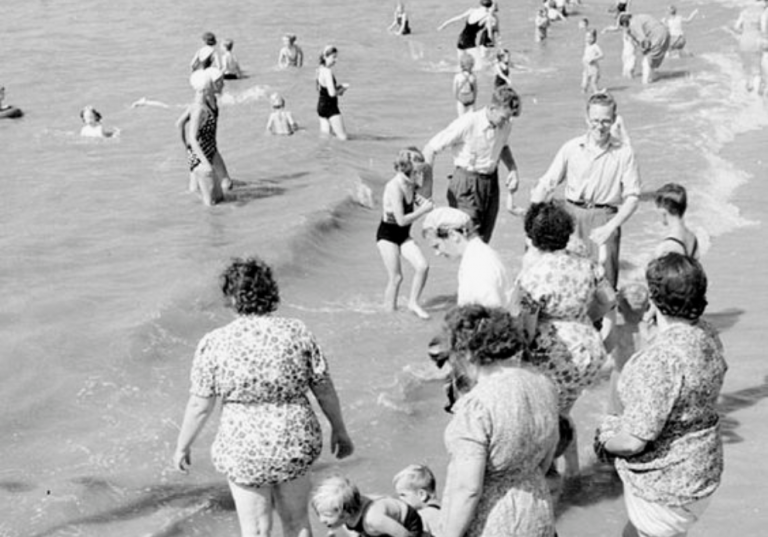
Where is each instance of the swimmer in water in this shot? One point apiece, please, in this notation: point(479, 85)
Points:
point(92, 127)
point(280, 120)
point(291, 54)
point(229, 65)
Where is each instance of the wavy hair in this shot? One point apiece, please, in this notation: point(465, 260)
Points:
point(678, 286)
point(548, 225)
point(487, 334)
point(250, 285)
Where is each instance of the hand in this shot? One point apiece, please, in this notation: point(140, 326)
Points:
point(601, 234)
point(341, 444)
point(513, 182)
point(182, 460)
point(512, 208)
point(427, 205)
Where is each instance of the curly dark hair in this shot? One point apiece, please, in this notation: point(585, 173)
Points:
point(487, 334)
point(250, 285)
point(678, 286)
point(548, 225)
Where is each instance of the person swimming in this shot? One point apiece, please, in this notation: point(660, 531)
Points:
point(92, 127)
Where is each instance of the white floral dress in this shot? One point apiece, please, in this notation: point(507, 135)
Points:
point(261, 367)
point(560, 286)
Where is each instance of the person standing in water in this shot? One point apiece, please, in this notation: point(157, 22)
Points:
point(328, 98)
point(752, 27)
point(291, 54)
point(475, 19)
point(674, 24)
point(652, 37)
point(400, 24)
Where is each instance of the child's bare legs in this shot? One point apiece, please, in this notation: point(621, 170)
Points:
point(221, 170)
point(412, 253)
point(390, 254)
point(337, 124)
point(254, 509)
point(291, 500)
point(648, 74)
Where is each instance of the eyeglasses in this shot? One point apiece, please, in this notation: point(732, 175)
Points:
point(601, 122)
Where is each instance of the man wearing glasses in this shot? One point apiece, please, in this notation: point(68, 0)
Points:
point(479, 140)
point(602, 183)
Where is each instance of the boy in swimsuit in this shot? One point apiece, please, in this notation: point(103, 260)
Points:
point(672, 202)
point(591, 68)
point(229, 64)
point(415, 485)
point(338, 502)
point(280, 120)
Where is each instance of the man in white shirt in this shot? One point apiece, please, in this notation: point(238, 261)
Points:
point(479, 140)
point(602, 183)
point(482, 277)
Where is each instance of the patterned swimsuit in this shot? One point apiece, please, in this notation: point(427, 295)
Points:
point(206, 137)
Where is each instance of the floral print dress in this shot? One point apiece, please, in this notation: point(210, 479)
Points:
point(261, 367)
point(558, 287)
point(669, 392)
point(510, 420)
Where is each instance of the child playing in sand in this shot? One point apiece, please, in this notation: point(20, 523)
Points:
point(229, 65)
point(465, 85)
point(92, 127)
point(592, 54)
point(415, 485)
point(541, 23)
point(400, 24)
point(674, 24)
point(280, 120)
point(672, 201)
point(338, 502)
point(291, 54)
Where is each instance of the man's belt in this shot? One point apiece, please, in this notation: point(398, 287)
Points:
point(590, 205)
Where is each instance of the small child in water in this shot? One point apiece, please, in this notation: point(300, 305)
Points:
point(415, 485)
point(280, 120)
point(465, 85)
point(291, 54)
point(541, 22)
point(229, 64)
point(400, 24)
point(92, 127)
point(592, 54)
point(338, 502)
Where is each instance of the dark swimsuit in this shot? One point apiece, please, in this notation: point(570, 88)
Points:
point(406, 27)
point(411, 522)
point(389, 230)
point(468, 36)
point(327, 106)
point(681, 243)
point(206, 136)
point(498, 81)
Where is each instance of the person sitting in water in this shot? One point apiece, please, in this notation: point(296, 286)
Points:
point(280, 120)
point(338, 502)
point(92, 127)
point(400, 25)
point(7, 111)
point(291, 54)
point(229, 64)
point(672, 201)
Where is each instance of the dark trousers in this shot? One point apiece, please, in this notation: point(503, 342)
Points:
point(477, 194)
point(585, 220)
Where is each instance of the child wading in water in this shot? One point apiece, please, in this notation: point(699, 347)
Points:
point(338, 502)
point(592, 54)
point(541, 22)
point(280, 120)
point(415, 485)
point(229, 65)
point(401, 207)
point(400, 24)
point(465, 85)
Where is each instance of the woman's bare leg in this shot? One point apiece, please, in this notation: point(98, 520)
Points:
point(337, 123)
point(221, 170)
point(390, 254)
point(412, 253)
point(325, 127)
point(291, 503)
point(254, 509)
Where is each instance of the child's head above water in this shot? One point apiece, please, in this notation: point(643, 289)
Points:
point(584, 24)
point(415, 485)
point(591, 36)
point(672, 198)
point(672, 10)
point(277, 101)
point(228, 44)
point(466, 62)
point(335, 500)
point(289, 39)
point(90, 115)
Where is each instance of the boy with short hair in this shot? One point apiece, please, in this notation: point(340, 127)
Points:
point(592, 54)
point(229, 64)
point(280, 120)
point(415, 485)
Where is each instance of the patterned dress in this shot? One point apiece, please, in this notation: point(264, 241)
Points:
point(669, 392)
point(560, 286)
point(261, 367)
point(510, 420)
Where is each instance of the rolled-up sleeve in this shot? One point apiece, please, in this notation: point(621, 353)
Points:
point(552, 177)
point(450, 136)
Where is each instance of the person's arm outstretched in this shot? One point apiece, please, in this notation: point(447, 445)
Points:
point(457, 18)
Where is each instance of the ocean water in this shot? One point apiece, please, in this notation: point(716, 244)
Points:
point(109, 267)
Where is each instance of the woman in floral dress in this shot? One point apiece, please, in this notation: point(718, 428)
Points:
point(503, 434)
point(261, 367)
point(555, 291)
point(667, 438)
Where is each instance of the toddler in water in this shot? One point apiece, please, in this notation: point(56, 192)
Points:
point(280, 120)
point(229, 65)
point(592, 54)
point(338, 502)
point(92, 127)
point(465, 85)
point(415, 485)
point(291, 54)
point(541, 22)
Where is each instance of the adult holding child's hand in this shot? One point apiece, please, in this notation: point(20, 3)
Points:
point(261, 368)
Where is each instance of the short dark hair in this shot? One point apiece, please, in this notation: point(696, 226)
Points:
point(624, 19)
point(602, 98)
point(673, 198)
point(548, 225)
point(209, 39)
point(487, 334)
point(506, 97)
point(677, 285)
point(250, 285)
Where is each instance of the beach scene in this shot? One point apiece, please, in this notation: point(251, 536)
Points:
point(110, 266)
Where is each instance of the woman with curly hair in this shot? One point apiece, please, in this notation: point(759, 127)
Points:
point(261, 367)
point(554, 293)
point(503, 434)
point(666, 440)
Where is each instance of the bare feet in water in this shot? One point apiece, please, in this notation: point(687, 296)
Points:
point(415, 308)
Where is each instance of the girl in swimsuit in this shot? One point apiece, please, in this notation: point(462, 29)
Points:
point(329, 91)
point(476, 20)
point(672, 201)
point(208, 173)
point(291, 54)
point(401, 208)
